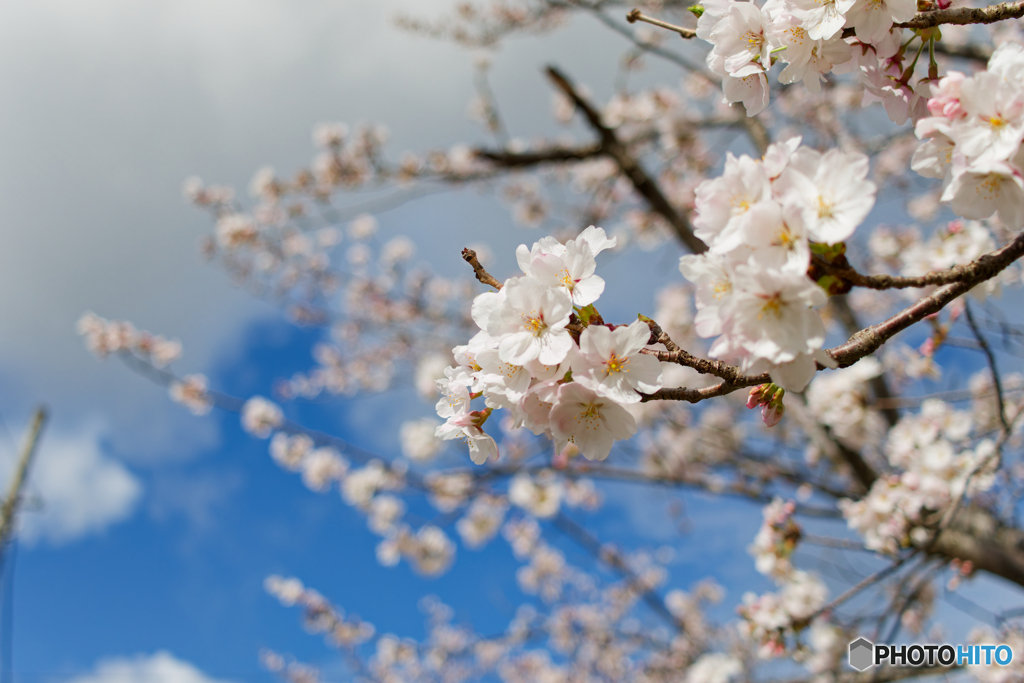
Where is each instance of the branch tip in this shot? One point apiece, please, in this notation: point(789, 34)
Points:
point(469, 256)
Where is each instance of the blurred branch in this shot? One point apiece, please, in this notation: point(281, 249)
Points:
point(552, 155)
point(969, 51)
point(9, 510)
point(996, 381)
point(630, 167)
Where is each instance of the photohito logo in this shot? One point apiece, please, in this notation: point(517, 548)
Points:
point(864, 654)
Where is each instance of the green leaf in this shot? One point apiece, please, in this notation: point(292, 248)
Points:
point(587, 313)
point(828, 251)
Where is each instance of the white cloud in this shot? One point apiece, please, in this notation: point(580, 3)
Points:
point(160, 667)
point(82, 490)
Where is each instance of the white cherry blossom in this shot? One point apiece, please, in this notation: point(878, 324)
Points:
point(260, 417)
point(610, 362)
point(466, 426)
point(822, 18)
point(832, 190)
point(531, 323)
point(591, 421)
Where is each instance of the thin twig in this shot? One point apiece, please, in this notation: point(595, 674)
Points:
point(625, 32)
point(865, 583)
point(614, 560)
point(636, 15)
point(630, 166)
point(991, 364)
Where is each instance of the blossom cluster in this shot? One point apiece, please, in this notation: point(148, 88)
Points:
point(320, 615)
point(937, 468)
point(972, 140)
point(556, 377)
point(760, 220)
point(807, 36)
point(776, 539)
point(769, 618)
point(839, 400)
point(104, 337)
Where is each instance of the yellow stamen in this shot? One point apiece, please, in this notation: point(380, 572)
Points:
point(824, 207)
point(772, 306)
point(616, 364)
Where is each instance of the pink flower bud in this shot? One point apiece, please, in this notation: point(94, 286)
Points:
point(758, 396)
point(772, 413)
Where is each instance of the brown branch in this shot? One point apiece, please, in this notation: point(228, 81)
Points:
point(967, 15)
point(844, 271)
point(972, 51)
point(698, 395)
point(980, 538)
point(860, 344)
point(563, 153)
point(636, 15)
point(630, 167)
point(730, 373)
point(869, 339)
point(469, 256)
point(535, 158)
point(675, 354)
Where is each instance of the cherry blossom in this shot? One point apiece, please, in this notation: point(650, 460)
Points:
point(531, 322)
point(590, 420)
point(610, 362)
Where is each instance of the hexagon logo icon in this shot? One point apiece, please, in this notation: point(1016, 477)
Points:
point(862, 654)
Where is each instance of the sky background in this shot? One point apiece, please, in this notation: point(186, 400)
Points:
point(149, 532)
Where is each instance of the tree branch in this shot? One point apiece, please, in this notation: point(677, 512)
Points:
point(967, 15)
point(860, 344)
point(469, 256)
point(869, 339)
point(996, 381)
point(844, 271)
point(636, 15)
point(630, 167)
point(534, 158)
